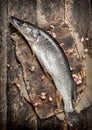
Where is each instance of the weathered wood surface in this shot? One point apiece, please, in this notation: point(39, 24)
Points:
point(20, 113)
point(26, 59)
point(79, 19)
point(3, 62)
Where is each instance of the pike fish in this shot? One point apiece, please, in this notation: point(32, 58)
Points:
point(54, 61)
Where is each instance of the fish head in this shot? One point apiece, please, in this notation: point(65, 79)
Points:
point(28, 30)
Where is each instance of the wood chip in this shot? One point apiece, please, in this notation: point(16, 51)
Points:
point(32, 68)
point(42, 77)
point(82, 39)
point(79, 82)
point(43, 93)
point(36, 104)
point(86, 50)
point(52, 27)
point(62, 44)
point(18, 85)
point(50, 98)
point(43, 97)
point(84, 56)
point(87, 38)
point(8, 66)
point(54, 34)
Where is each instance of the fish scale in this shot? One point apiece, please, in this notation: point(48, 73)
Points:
point(54, 61)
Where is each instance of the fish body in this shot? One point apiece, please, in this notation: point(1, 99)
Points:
point(53, 60)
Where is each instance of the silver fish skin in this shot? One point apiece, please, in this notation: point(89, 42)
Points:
point(53, 60)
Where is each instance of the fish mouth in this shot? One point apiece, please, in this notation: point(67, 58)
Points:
point(16, 22)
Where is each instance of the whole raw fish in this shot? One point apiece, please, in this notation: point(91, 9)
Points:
point(54, 61)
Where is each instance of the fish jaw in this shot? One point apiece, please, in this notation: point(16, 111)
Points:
point(17, 23)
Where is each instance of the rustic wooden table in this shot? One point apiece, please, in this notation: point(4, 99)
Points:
point(68, 21)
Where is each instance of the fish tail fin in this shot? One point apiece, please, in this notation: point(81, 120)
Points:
point(72, 118)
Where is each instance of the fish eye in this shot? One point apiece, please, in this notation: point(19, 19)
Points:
point(39, 34)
